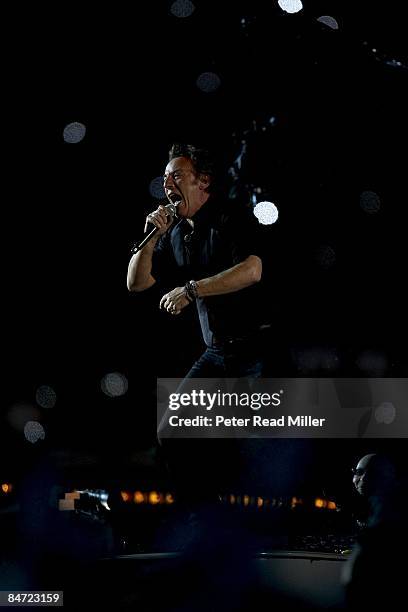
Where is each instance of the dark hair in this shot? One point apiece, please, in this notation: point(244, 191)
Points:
point(202, 160)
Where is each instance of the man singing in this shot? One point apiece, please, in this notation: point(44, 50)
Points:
point(210, 254)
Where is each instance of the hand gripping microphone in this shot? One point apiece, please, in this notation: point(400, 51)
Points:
point(171, 210)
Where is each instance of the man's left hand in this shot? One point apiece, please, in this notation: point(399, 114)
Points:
point(174, 301)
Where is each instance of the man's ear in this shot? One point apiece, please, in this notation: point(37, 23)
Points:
point(204, 181)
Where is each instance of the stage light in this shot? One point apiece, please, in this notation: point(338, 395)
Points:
point(169, 499)
point(266, 213)
point(6, 487)
point(182, 8)
point(34, 431)
point(296, 501)
point(329, 21)
point(114, 384)
point(154, 498)
point(156, 188)
point(45, 396)
point(385, 413)
point(372, 362)
point(138, 497)
point(370, 202)
point(290, 6)
point(74, 132)
point(208, 82)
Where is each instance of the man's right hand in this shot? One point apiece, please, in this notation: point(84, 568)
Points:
point(161, 218)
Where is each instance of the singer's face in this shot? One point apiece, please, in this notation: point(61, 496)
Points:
point(182, 185)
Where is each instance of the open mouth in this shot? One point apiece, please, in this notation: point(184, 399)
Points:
point(175, 198)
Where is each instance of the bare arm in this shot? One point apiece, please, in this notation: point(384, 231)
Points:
point(139, 275)
point(244, 274)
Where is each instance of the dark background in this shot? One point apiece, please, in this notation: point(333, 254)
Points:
point(334, 273)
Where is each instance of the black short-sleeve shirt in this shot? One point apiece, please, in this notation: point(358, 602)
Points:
point(224, 235)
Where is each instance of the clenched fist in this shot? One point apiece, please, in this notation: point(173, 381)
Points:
point(174, 301)
point(161, 218)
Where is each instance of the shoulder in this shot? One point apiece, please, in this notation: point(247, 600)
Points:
point(235, 212)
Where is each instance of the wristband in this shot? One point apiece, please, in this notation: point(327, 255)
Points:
point(191, 289)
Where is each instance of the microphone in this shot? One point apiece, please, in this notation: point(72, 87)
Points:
point(171, 210)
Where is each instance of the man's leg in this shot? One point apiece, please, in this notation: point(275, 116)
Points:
point(200, 466)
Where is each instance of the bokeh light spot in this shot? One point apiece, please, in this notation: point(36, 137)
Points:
point(45, 396)
point(34, 431)
point(74, 132)
point(208, 82)
point(114, 384)
point(182, 8)
point(266, 213)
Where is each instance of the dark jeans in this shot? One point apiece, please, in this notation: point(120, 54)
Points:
point(235, 362)
point(202, 468)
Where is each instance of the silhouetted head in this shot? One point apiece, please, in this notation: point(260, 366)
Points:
point(374, 475)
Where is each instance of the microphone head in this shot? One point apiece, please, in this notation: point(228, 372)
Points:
point(168, 205)
point(172, 208)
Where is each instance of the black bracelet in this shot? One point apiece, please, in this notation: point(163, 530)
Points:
point(191, 289)
point(187, 294)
